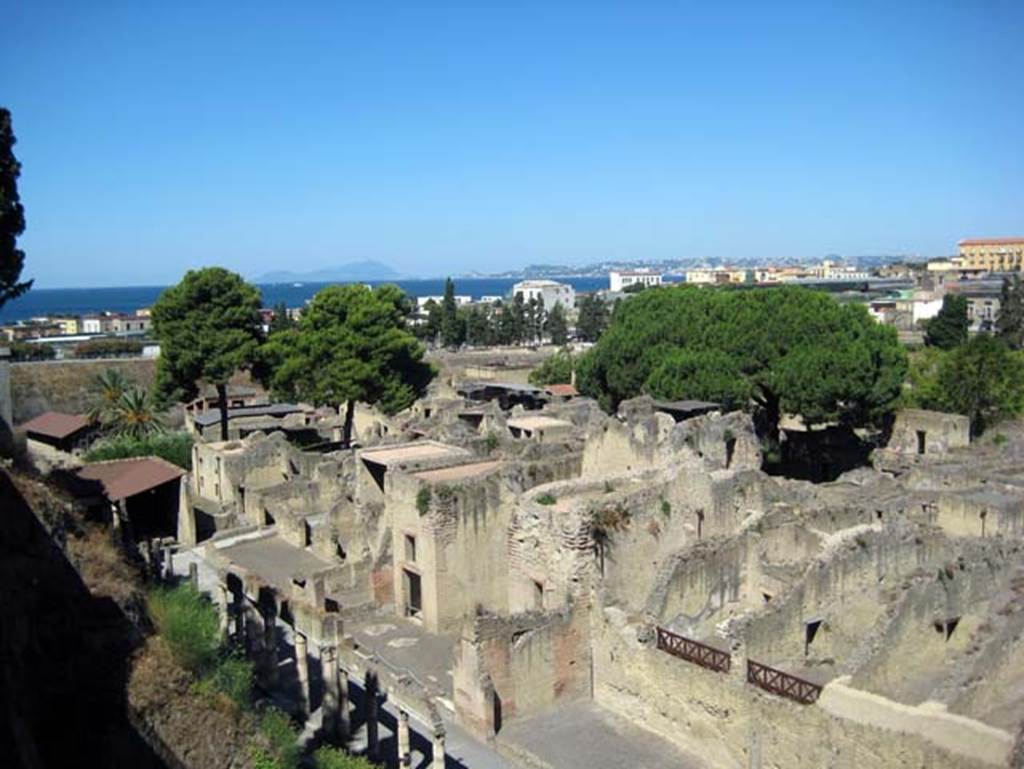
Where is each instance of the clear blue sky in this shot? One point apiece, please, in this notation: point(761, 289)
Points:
point(158, 136)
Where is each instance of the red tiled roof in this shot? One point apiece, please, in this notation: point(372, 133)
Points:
point(562, 390)
point(991, 241)
point(122, 478)
point(55, 425)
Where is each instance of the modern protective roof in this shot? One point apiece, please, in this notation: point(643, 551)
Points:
point(212, 417)
point(54, 424)
point(123, 478)
point(410, 452)
point(538, 423)
point(458, 472)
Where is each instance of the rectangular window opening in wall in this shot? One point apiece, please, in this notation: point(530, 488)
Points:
point(922, 441)
point(538, 595)
point(413, 594)
point(410, 548)
point(307, 534)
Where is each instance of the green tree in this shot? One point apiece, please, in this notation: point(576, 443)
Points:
point(948, 329)
point(556, 369)
point(512, 328)
point(1010, 321)
point(534, 317)
point(352, 344)
point(555, 326)
point(479, 326)
point(281, 320)
point(453, 332)
point(12, 216)
point(25, 351)
point(982, 379)
point(429, 328)
point(701, 375)
point(796, 351)
point(593, 318)
point(209, 328)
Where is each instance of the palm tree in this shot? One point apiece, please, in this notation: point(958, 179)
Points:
point(107, 390)
point(134, 415)
point(604, 523)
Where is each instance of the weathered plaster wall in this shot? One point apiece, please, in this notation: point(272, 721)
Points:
point(729, 724)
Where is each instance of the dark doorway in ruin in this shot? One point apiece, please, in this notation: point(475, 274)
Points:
point(730, 451)
point(538, 595)
point(700, 524)
point(496, 708)
point(810, 632)
point(307, 534)
point(922, 441)
point(413, 593)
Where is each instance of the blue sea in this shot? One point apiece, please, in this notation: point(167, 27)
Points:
point(83, 301)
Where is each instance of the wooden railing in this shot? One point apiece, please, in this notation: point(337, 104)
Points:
point(783, 684)
point(693, 651)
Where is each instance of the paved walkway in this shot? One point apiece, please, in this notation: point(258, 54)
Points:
point(583, 735)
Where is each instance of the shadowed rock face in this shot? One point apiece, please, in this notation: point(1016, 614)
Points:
point(63, 656)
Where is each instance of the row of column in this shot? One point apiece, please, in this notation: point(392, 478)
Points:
point(261, 641)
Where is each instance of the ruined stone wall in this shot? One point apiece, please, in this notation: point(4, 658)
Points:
point(726, 723)
point(980, 512)
point(514, 667)
point(914, 647)
point(461, 546)
point(940, 432)
point(847, 589)
point(619, 448)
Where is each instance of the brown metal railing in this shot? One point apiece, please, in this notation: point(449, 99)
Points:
point(783, 684)
point(693, 651)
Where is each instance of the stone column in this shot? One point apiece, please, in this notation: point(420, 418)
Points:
point(168, 564)
point(302, 671)
point(329, 709)
point(225, 610)
point(404, 754)
point(253, 631)
point(269, 614)
point(371, 716)
point(437, 760)
point(343, 720)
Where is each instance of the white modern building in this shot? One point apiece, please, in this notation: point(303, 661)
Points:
point(550, 291)
point(620, 280)
point(460, 299)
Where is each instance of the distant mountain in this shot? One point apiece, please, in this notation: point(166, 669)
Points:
point(343, 272)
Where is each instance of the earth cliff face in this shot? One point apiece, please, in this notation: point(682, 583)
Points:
point(80, 683)
point(63, 651)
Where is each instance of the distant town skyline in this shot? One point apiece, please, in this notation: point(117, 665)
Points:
point(445, 140)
